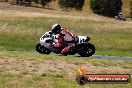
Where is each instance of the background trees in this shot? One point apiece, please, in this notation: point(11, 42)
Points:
point(76, 4)
point(103, 7)
point(106, 7)
point(131, 8)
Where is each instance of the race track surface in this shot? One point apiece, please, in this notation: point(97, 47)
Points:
point(93, 57)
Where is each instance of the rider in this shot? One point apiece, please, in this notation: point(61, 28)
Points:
point(64, 36)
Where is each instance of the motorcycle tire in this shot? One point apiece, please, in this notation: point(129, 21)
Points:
point(42, 49)
point(64, 54)
point(86, 49)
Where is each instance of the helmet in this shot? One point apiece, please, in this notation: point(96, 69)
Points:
point(56, 28)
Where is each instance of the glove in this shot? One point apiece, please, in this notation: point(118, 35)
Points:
point(50, 33)
point(57, 45)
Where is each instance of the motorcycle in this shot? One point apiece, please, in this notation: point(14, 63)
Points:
point(83, 47)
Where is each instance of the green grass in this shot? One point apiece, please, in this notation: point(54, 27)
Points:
point(70, 59)
point(52, 80)
point(23, 33)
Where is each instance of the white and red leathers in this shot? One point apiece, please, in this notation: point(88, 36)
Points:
point(66, 37)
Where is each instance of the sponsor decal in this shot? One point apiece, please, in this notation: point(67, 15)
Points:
point(83, 78)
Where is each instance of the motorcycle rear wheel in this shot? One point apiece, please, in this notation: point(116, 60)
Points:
point(86, 49)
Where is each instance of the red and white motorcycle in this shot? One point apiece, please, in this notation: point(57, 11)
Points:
point(82, 47)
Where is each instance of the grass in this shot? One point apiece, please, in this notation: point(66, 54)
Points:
point(23, 33)
point(35, 81)
point(73, 60)
point(86, 7)
point(27, 70)
point(53, 80)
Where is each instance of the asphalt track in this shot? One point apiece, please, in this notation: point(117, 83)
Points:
point(93, 57)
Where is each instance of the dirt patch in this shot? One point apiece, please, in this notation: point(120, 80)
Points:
point(53, 67)
point(16, 10)
point(22, 11)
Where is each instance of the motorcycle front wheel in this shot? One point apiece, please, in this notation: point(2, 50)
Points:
point(86, 49)
point(41, 49)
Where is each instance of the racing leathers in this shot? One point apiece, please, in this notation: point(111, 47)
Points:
point(65, 37)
